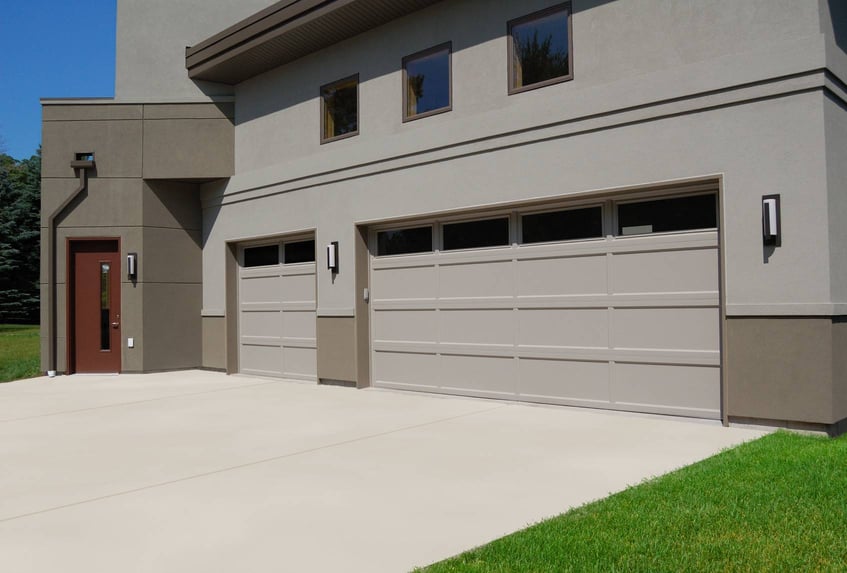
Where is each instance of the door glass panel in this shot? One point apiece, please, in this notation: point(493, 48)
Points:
point(299, 252)
point(476, 234)
point(261, 256)
point(666, 215)
point(567, 225)
point(404, 241)
point(105, 304)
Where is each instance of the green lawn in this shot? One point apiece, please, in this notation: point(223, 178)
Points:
point(19, 352)
point(775, 504)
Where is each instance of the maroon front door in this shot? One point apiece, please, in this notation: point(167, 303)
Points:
point(96, 307)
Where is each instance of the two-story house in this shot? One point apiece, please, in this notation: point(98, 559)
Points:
point(624, 204)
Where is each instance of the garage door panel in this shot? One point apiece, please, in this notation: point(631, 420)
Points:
point(477, 326)
point(477, 280)
point(479, 375)
point(688, 390)
point(277, 320)
point(263, 360)
point(259, 289)
point(564, 327)
point(562, 276)
point(667, 328)
point(565, 380)
point(298, 288)
point(405, 369)
point(621, 322)
point(299, 324)
point(406, 325)
point(261, 324)
point(665, 271)
point(299, 363)
point(405, 283)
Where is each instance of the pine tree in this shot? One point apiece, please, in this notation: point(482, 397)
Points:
point(20, 200)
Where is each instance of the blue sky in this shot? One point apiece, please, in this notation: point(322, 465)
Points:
point(51, 48)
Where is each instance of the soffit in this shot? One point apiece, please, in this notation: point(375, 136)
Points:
point(285, 32)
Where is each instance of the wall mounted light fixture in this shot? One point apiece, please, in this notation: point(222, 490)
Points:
point(132, 265)
point(332, 256)
point(771, 221)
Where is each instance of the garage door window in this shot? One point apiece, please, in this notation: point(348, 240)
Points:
point(476, 234)
point(404, 241)
point(667, 215)
point(299, 252)
point(569, 225)
point(261, 256)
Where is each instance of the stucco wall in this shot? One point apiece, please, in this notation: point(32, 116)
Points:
point(661, 91)
point(768, 146)
point(151, 40)
point(159, 220)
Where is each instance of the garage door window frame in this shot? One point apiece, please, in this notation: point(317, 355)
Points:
point(648, 197)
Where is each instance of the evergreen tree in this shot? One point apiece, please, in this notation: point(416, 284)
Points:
point(20, 202)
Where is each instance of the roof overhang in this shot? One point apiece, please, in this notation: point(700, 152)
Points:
point(286, 31)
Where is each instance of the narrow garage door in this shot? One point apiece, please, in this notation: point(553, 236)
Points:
point(276, 290)
point(614, 305)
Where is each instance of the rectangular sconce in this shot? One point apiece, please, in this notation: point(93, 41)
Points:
point(132, 265)
point(771, 221)
point(332, 256)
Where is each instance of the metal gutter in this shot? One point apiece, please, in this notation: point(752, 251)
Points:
point(287, 31)
point(81, 166)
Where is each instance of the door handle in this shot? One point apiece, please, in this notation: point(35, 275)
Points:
point(116, 324)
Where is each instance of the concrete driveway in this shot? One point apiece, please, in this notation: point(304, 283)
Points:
point(198, 471)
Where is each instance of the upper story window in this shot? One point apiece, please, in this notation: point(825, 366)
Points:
point(540, 49)
point(340, 109)
point(426, 82)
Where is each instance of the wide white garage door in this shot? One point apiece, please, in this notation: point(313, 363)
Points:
point(276, 290)
point(614, 305)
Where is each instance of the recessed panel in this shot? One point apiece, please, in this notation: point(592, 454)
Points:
point(477, 280)
point(409, 369)
point(265, 360)
point(667, 328)
point(477, 326)
point(562, 276)
point(695, 389)
point(261, 289)
point(298, 288)
point(300, 362)
point(406, 325)
point(564, 380)
point(475, 374)
point(665, 271)
point(564, 327)
point(261, 324)
point(405, 283)
point(299, 324)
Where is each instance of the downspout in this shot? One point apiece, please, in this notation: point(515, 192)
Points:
point(82, 163)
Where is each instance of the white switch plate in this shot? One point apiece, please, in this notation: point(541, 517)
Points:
point(130, 343)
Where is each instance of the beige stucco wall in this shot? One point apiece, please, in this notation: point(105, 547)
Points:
point(731, 89)
point(151, 40)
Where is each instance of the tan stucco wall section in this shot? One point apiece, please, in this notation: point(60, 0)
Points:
point(188, 141)
point(839, 368)
point(781, 368)
point(156, 218)
point(336, 339)
point(214, 342)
